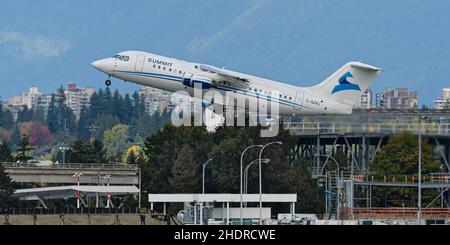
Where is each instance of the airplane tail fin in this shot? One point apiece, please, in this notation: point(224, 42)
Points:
point(348, 83)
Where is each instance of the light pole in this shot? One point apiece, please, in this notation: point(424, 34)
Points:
point(419, 191)
point(203, 178)
point(246, 173)
point(242, 159)
point(260, 177)
point(64, 149)
point(78, 176)
point(108, 194)
point(140, 187)
point(337, 179)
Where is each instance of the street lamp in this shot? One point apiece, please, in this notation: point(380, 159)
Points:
point(246, 173)
point(108, 194)
point(203, 179)
point(419, 198)
point(64, 149)
point(78, 176)
point(242, 159)
point(260, 177)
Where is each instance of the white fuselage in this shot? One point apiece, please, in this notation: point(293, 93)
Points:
point(168, 74)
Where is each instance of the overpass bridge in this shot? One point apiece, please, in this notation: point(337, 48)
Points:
point(93, 174)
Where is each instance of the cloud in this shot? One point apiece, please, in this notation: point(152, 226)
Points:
point(200, 44)
point(34, 46)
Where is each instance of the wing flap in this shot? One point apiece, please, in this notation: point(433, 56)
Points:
point(227, 75)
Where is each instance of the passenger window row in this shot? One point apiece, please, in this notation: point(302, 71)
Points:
point(270, 93)
point(170, 69)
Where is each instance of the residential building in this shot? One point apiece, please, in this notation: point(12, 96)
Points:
point(398, 98)
point(155, 100)
point(366, 100)
point(31, 99)
point(444, 101)
point(77, 98)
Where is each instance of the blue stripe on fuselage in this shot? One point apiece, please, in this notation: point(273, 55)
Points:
point(222, 87)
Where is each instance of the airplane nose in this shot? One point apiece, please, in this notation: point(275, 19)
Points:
point(101, 65)
point(97, 65)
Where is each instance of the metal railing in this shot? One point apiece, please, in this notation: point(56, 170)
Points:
point(66, 211)
point(73, 166)
point(373, 128)
point(383, 213)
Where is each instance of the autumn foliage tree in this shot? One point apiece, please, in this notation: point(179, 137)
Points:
point(38, 133)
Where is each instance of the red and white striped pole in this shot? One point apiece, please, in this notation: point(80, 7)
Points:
point(78, 176)
point(108, 194)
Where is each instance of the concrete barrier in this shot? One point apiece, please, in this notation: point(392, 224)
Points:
point(80, 219)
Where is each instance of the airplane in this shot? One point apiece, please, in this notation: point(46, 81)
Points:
point(336, 95)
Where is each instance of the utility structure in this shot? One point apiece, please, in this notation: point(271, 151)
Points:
point(358, 138)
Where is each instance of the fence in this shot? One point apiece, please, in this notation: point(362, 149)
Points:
point(372, 128)
point(65, 211)
point(74, 166)
point(400, 213)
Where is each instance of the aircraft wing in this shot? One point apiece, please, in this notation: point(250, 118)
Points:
point(226, 75)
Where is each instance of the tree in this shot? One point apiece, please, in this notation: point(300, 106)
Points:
point(15, 137)
point(87, 151)
point(60, 117)
point(116, 141)
point(5, 152)
point(310, 195)
point(38, 133)
point(96, 152)
point(185, 178)
point(6, 189)
point(85, 126)
point(78, 152)
point(225, 171)
point(159, 154)
point(134, 155)
point(6, 118)
point(399, 158)
point(104, 122)
point(25, 148)
point(25, 115)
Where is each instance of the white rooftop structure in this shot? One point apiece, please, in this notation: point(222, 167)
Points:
point(230, 198)
point(201, 200)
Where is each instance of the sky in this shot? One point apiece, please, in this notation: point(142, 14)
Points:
point(48, 43)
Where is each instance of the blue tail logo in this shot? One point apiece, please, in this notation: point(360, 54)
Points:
point(344, 84)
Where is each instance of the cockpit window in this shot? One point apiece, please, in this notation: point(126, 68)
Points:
point(121, 57)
